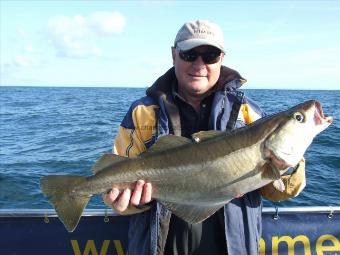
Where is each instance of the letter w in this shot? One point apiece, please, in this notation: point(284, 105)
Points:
point(90, 248)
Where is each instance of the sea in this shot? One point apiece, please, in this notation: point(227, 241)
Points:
point(64, 130)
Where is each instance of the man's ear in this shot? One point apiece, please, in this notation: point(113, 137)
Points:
point(222, 57)
point(173, 52)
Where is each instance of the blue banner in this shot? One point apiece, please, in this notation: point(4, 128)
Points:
point(300, 233)
point(294, 233)
point(95, 235)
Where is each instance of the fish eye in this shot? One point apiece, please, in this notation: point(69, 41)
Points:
point(298, 116)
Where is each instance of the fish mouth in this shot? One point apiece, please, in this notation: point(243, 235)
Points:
point(319, 117)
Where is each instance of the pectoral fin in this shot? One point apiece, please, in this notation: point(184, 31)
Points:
point(269, 171)
point(192, 213)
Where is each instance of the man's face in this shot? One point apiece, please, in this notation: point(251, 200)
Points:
point(196, 78)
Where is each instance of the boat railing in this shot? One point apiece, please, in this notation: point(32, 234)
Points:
point(110, 212)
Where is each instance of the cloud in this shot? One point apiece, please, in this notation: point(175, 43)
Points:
point(76, 37)
point(26, 57)
point(24, 61)
point(106, 23)
point(21, 32)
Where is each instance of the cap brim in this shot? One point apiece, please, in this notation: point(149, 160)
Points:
point(193, 43)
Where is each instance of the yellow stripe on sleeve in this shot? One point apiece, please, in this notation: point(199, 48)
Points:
point(144, 120)
point(247, 114)
point(131, 142)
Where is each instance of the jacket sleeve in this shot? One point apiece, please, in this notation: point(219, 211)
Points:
point(294, 182)
point(136, 131)
point(134, 137)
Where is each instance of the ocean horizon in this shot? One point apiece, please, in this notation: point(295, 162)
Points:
point(145, 87)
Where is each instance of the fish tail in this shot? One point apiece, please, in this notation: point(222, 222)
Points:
point(68, 205)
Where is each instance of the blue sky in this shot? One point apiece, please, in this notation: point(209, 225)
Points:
point(273, 44)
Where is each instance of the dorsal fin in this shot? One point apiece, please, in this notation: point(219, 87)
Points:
point(167, 142)
point(205, 135)
point(105, 161)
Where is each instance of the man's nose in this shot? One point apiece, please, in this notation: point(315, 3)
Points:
point(198, 62)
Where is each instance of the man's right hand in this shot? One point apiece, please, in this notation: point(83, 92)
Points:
point(120, 201)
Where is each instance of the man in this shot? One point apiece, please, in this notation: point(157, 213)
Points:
point(197, 94)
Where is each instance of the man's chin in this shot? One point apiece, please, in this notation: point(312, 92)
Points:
point(198, 86)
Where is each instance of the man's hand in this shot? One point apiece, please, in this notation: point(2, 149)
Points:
point(120, 201)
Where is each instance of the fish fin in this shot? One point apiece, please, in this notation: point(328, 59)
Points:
point(269, 171)
point(167, 142)
point(69, 206)
point(279, 185)
point(105, 161)
point(205, 135)
point(192, 213)
point(134, 210)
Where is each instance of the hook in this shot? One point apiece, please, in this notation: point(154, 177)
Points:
point(276, 215)
point(106, 217)
point(330, 215)
point(46, 219)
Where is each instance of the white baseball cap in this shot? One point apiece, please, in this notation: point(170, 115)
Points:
point(196, 33)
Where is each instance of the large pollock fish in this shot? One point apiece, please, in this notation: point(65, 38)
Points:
point(194, 178)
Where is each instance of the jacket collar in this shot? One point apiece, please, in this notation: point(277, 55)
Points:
point(161, 91)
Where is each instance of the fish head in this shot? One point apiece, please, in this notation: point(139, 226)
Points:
point(297, 127)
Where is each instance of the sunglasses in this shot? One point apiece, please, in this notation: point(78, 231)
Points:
point(208, 57)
